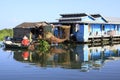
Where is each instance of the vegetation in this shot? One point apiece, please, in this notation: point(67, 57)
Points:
point(5, 32)
point(44, 46)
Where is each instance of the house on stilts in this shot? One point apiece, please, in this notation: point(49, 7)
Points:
point(91, 27)
point(77, 27)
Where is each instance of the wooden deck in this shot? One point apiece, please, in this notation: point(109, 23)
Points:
point(104, 40)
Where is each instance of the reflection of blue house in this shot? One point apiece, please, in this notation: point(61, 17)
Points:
point(95, 54)
point(86, 53)
point(110, 53)
point(82, 51)
point(95, 57)
point(84, 26)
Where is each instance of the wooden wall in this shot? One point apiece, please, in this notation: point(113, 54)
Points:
point(18, 33)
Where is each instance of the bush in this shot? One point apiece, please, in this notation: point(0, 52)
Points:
point(5, 32)
point(44, 46)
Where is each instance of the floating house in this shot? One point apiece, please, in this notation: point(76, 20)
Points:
point(30, 29)
point(81, 27)
point(91, 27)
point(43, 30)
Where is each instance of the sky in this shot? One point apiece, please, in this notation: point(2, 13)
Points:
point(15, 12)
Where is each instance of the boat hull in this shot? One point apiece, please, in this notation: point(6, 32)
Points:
point(15, 46)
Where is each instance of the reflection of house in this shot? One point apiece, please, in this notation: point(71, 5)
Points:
point(104, 52)
point(84, 27)
point(80, 57)
point(83, 52)
point(94, 57)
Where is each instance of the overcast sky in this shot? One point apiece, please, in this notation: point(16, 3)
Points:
point(14, 12)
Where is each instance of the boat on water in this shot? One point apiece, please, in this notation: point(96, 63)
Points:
point(15, 45)
point(11, 44)
point(8, 43)
point(48, 36)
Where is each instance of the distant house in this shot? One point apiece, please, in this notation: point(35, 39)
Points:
point(31, 29)
point(85, 26)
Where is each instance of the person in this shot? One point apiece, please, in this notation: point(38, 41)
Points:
point(25, 41)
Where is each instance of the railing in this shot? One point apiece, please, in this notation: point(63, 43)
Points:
point(104, 33)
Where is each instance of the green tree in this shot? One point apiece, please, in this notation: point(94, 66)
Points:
point(5, 32)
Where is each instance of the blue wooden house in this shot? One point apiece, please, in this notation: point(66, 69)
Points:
point(86, 27)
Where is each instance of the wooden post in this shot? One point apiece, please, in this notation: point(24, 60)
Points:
point(102, 41)
point(111, 40)
point(30, 37)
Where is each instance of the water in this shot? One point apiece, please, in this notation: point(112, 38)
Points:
point(64, 62)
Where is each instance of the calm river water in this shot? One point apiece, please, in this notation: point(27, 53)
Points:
point(63, 62)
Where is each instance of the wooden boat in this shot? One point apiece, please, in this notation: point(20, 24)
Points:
point(9, 44)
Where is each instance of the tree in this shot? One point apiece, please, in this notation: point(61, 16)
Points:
point(5, 32)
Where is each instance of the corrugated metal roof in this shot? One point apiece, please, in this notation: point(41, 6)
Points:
point(108, 20)
point(113, 20)
point(74, 14)
point(95, 15)
point(93, 22)
point(69, 18)
point(90, 22)
point(85, 22)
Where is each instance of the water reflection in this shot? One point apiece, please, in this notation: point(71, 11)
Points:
point(79, 57)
